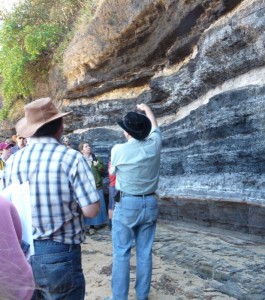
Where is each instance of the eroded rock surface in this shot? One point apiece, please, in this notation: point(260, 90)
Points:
point(189, 262)
point(200, 66)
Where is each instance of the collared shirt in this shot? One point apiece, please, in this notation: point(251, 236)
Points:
point(136, 164)
point(60, 183)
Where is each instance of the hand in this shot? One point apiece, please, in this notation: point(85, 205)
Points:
point(148, 113)
point(142, 107)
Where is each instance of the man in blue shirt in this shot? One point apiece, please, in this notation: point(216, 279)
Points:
point(136, 164)
point(62, 190)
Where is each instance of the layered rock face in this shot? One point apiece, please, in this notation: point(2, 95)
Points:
point(200, 65)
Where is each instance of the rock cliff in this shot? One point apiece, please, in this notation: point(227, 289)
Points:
point(200, 65)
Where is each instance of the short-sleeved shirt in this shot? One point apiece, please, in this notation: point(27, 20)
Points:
point(137, 163)
point(60, 182)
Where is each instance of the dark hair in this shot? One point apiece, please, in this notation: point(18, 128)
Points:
point(50, 128)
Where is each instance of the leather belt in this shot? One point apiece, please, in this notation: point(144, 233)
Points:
point(126, 194)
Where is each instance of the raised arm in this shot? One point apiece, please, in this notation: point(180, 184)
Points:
point(145, 108)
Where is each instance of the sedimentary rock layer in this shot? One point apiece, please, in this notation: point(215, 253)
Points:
point(200, 65)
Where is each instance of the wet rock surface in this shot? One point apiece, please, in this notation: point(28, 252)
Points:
point(189, 262)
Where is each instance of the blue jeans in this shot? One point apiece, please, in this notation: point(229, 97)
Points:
point(57, 271)
point(134, 218)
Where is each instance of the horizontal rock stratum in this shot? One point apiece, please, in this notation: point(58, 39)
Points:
point(200, 65)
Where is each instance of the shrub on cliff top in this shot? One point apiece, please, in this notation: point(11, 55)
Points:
point(28, 38)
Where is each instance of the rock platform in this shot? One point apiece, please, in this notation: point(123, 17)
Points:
point(189, 262)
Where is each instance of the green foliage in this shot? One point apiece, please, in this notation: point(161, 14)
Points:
point(39, 38)
point(28, 38)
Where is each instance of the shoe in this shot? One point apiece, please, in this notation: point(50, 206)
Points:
point(92, 231)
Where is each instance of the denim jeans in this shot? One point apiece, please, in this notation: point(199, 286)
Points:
point(134, 218)
point(57, 271)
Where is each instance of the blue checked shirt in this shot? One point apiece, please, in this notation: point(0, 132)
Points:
point(60, 183)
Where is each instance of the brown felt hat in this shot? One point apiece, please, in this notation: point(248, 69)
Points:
point(37, 114)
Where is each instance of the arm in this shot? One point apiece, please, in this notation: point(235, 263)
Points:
point(145, 108)
point(90, 211)
point(84, 188)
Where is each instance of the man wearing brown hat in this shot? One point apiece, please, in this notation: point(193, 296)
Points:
point(62, 190)
point(136, 165)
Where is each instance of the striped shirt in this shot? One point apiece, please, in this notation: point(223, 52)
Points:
point(60, 183)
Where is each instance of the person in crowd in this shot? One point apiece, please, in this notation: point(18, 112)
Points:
point(97, 167)
point(21, 142)
point(136, 164)
point(113, 194)
point(66, 142)
point(62, 191)
point(6, 149)
point(16, 278)
point(10, 141)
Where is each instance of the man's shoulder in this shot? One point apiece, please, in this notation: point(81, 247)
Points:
point(70, 154)
point(155, 131)
point(119, 147)
point(155, 135)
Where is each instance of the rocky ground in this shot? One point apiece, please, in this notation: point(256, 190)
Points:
point(189, 262)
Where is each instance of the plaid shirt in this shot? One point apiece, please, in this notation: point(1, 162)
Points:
point(60, 183)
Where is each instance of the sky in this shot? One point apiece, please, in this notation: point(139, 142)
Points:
point(7, 4)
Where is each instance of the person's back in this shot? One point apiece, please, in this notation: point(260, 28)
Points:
point(136, 164)
point(49, 168)
point(62, 190)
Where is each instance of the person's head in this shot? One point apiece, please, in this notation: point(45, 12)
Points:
point(135, 125)
point(53, 128)
point(6, 150)
point(85, 148)
point(66, 142)
point(10, 141)
point(42, 118)
point(21, 141)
